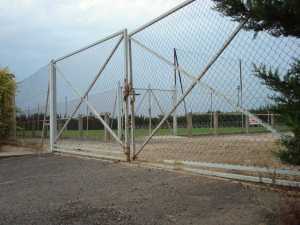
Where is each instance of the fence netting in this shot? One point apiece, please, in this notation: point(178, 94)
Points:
point(228, 116)
point(32, 111)
point(78, 110)
point(192, 80)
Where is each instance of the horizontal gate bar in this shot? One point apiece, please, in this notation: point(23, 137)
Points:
point(89, 46)
point(175, 9)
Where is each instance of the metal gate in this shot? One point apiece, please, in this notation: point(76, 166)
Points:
point(87, 85)
point(181, 92)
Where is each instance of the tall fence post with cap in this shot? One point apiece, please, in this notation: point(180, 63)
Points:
point(126, 95)
point(53, 114)
point(132, 98)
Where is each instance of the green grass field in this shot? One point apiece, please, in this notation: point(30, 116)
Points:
point(95, 134)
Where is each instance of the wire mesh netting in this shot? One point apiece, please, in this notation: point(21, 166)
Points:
point(32, 112)
point(79, 125)
point(194, 90)
point(228, 115)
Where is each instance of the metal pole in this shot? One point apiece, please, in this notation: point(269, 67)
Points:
point(53, 114)
point(126, 94)
point(149, 110)
point(132, 99)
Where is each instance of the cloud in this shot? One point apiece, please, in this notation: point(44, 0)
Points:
point(34, 31)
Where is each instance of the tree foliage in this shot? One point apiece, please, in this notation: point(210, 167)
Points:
point(287, 98)
point(7, 92)
point(278, 17)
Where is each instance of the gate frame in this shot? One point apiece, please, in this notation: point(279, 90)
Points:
point(53, 69)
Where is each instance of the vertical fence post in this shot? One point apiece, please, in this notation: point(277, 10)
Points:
point(132, 99)
point(126, 95)
point(53, 114)
point(150, 109)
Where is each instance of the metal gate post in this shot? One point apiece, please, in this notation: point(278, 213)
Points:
point(127, 88)
point(53, 114)
point(132, 98)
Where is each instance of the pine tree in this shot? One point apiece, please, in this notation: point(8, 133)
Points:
point(287, 99)
point(279, 18)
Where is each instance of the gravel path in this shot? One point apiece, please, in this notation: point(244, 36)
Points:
point(53, 189)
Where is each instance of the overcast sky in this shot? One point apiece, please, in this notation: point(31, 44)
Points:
point(34, 31)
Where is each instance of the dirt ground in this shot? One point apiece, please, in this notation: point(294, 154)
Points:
point(242, 149)
point(248, 150)
point(54, 189)
point(14, 150)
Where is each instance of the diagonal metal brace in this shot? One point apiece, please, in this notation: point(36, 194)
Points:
point(89, 88)
point(195, 82)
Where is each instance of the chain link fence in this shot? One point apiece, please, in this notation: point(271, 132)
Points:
point(32, 110)
point(184, 83)
point(220, 112)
